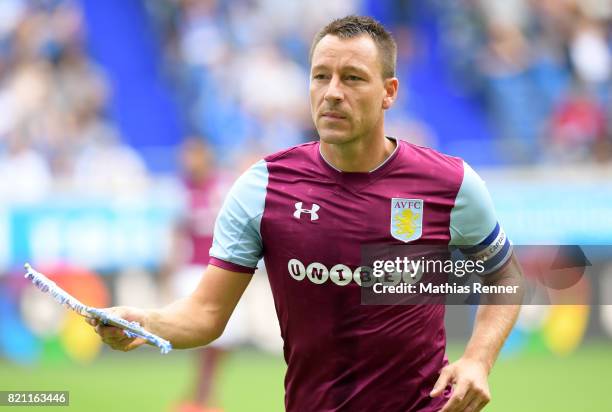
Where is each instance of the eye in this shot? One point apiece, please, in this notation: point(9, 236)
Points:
point(319, 76)
point(353, 78)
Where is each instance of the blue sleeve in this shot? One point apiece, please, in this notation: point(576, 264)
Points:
point(237, 236)
point(474, 227)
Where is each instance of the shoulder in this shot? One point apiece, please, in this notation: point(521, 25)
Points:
point(432, 167)
point(252, 182)
point(302, 151)
point(428, 157)
point(290, 159)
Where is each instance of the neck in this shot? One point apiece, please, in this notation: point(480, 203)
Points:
point(360, 155)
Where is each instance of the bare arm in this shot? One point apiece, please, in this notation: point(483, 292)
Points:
point(495, 318)
point(193, 321)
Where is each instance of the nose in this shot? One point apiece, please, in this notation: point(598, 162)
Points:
point(334, 93)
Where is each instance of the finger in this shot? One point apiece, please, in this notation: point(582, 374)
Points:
point(101, 329)
point(124, 340)
point(136, 343)
point(118, 341)
point(109, 332)
point(476, 405)
point(460, 398)
point(128, 344)
point(468, 398)
point(121, 345)
point(443, 381)
point(120, 312)
point(118, 344)
point(450, 405)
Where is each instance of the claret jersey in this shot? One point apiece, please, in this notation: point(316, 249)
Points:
point(308, 221)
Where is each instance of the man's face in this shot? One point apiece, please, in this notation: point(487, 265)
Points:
point(347, 92)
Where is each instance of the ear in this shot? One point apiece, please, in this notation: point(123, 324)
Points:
point(391, 85)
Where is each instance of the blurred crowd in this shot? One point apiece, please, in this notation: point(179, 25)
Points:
point(539, 70)
point(55, 135)
point(543, 71)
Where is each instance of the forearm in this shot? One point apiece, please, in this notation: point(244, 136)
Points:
point(492, 326)
point(185, 323)
point(495, 318)
point(200, 318)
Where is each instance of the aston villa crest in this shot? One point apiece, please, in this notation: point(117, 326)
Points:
point(406, 219)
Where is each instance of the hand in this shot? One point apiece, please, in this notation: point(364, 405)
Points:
point(471, 391)
point(115, 337)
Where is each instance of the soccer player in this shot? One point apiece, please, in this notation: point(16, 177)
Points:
point(189, 256)
point(309, 209)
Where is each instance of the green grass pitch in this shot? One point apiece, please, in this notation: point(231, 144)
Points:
point(252, 381)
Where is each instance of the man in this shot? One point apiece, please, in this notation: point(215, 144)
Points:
point(188, 258)
point(308, 211)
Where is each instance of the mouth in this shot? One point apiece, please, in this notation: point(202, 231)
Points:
point(333, 115)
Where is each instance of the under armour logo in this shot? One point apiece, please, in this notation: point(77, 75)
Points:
point(312, 212)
